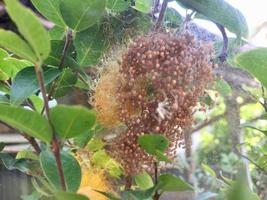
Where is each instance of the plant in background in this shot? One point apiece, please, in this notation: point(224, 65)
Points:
point(142, 107)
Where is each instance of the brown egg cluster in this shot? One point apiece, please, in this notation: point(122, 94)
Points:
point(163, 78)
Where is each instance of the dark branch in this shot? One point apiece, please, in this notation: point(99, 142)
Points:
point(161, 14)
point(67, 44)
point(55, 142)
point(224, 52)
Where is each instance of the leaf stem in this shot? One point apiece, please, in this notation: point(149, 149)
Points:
point(157, 194)
point(55, 142)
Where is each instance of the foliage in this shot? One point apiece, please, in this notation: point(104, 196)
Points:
point(38, 67)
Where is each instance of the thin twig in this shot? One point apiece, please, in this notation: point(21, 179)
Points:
point(254, 163)
point(128, 182)
point(68, 40)
point(224, 52)
point(33, 143)
point(55, 142)
point(157, 194)
point(161, 14)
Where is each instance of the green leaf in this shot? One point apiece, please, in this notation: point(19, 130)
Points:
point(255, 62)
point(26, 155)
point(4, 99)
point(170, 183)
point(56, 33)
point(69, 196)
point(143, 6)
point(50, 9)
point(154, 144)
point(37, 102)
point(3, 76)
point(118, 5)
point(81, 14)
point(2, 146)
point(173, 18)
point(71, 121)
point(223, 87)
point(30, 27)
point(90, 45)
point(71, 170)
point(65, 83)
point(12, 42)
point(208, 170)
point(55, 55)
point(221, 12)
point(29, 122)
point(143, 181)
point(25, 83)
point(4, 88)
point(240, 190)
point(11, 66)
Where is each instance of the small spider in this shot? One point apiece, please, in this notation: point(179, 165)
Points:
point(162, 110)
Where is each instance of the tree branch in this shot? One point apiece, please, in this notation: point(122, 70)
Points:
point(55, 142)
point(224, 52)
point(161, 14)
point(67, 44)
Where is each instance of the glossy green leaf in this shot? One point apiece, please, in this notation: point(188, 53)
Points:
point(55, 55)
point(11, 66)
point(2, 146)
point(69, 196)
point(172, 18)
point(37, 103)
point(154, 144)
point(4, 88)
point(170, 183)
point(144, 6)
point(27, 121)
point(118, 5)
point(4, 99)
point(14, 43)
point(56, 33)
point(3, 76)
point(50, 9)
point(30, 27)
point(223, 87)
point(221, 12)
point(81, 14)
point(27, 155)
point(143, 181)
point(255, 61)
point(25, 83)
point(71, 170)
point(208, 170)
point(240, 190)
point(90, 45)
point(71, 121)
point(65, 83)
